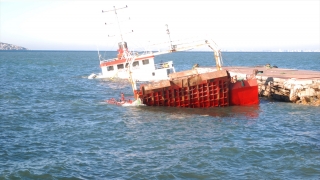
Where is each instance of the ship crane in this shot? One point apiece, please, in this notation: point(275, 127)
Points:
point(176, 48)
point(187, 46)
point(195, 44)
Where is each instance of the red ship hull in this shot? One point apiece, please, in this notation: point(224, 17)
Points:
point(192, 90)
point(244, 92)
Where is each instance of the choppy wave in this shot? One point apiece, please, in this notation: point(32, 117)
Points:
point(55, 125)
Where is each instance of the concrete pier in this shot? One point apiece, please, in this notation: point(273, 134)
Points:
point(289, 85)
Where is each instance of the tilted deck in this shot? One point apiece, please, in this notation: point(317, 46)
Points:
point(194, 90)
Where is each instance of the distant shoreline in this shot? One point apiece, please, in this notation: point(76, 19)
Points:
point(23, 50)
point(15, 50)
point(11, 47)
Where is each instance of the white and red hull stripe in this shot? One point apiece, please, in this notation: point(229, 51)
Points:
point(121, 61)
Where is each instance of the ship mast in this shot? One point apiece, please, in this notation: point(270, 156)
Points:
point(117, 19)
point(127, 55)
point(168, 32)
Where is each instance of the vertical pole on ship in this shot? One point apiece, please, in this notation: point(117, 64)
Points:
point(216, 53)
point(127, 55)
point(168, 32)
point(120, 32)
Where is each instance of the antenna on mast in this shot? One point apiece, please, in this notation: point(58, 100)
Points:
point(120, 33)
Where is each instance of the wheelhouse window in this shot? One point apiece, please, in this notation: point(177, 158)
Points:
point(120, 66)
point(110, 68)
point(145, 62)
point(135, 64)
point(127, 65)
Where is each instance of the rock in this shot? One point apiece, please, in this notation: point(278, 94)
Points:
point(10, 47)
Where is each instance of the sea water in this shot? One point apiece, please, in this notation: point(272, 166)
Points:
point(55, 124)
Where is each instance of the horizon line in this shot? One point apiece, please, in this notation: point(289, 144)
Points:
point(178, 51)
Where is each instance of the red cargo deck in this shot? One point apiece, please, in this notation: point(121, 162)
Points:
point(193, 90)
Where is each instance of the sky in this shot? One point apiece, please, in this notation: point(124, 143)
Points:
point(248, 25)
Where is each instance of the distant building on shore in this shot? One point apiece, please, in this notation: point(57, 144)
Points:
point(10, 47)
